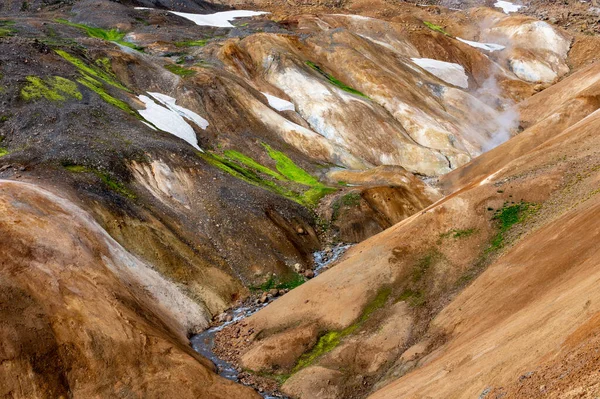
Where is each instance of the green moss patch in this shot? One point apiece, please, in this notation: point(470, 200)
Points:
point(106, 178)
point(293, 172)
point(94, 77)
point(53, 88)
point(331, 339)
point(509, 216)
point(5, 28)
point(251, 163)
point(192, 43)
point(3, 151)
point(335, 81)
point(295, 281)
point(414, 298)
point(91, 70)
point(458, 233)
point(436, 28)
point(112, 35)
point(179, 70)
point(246, 168)
point(98, 88)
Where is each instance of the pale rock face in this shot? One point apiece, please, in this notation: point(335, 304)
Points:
point(164, 183)
point(537, 51)
point(533, 70)
point(318, 104)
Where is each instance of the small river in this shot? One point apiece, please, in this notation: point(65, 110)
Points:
point(204, 342)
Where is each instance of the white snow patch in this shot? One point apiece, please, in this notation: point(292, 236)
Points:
point(446, 71)
point(219, 19)
point(169, 102)
point(279, 104)
point(171, 118)
point(507, 6)
point(484, 46)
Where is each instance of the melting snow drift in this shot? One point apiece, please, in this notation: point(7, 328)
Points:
point(507, 6)
point(446, 71)
point(219, 19)
point(170, 117)
point(279, 104)
point(484, 46)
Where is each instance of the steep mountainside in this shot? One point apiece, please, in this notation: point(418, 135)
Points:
point(162, 162)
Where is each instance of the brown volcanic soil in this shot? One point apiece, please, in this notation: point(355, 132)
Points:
point(76, 318)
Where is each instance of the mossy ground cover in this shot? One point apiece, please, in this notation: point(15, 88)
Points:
point(251, 163)
point(106, 178)
point(459, 233)
point(435, 28)
point(179, 70)
point(507, 217)
point(111, 35)
point(335, 81)
point(331, 339)
point(288, 168)
point(3, 151)
point(6, 28)
point(95, 76)
point(192, 43)
point(53, 88)
point(290, 283)
point(246, 168)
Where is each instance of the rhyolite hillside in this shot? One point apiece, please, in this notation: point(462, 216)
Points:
point(162, 161)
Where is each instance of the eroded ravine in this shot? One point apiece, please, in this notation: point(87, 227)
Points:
point(204, 343)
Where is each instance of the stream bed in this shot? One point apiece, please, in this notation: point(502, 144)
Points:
point(204, 342)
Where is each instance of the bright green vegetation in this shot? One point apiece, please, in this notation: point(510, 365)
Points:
point(106, 178)
point(98, 88)
point(507, 217)
point(6, 31)
point(3, 151)
point(179, 70)
point(293, 172)
point(91, 70)
point(436, 28)
point(334, 81)
point(458, 233)
point(93, 76)
point(332, 339)
point(112, 35)
point(104, 63)
point(272, 282)
point(192, 43)
point(249, 176)
point(53, 88)
point(289, 169)
point(414, 298)
point(251, 163)
point(245, 168)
